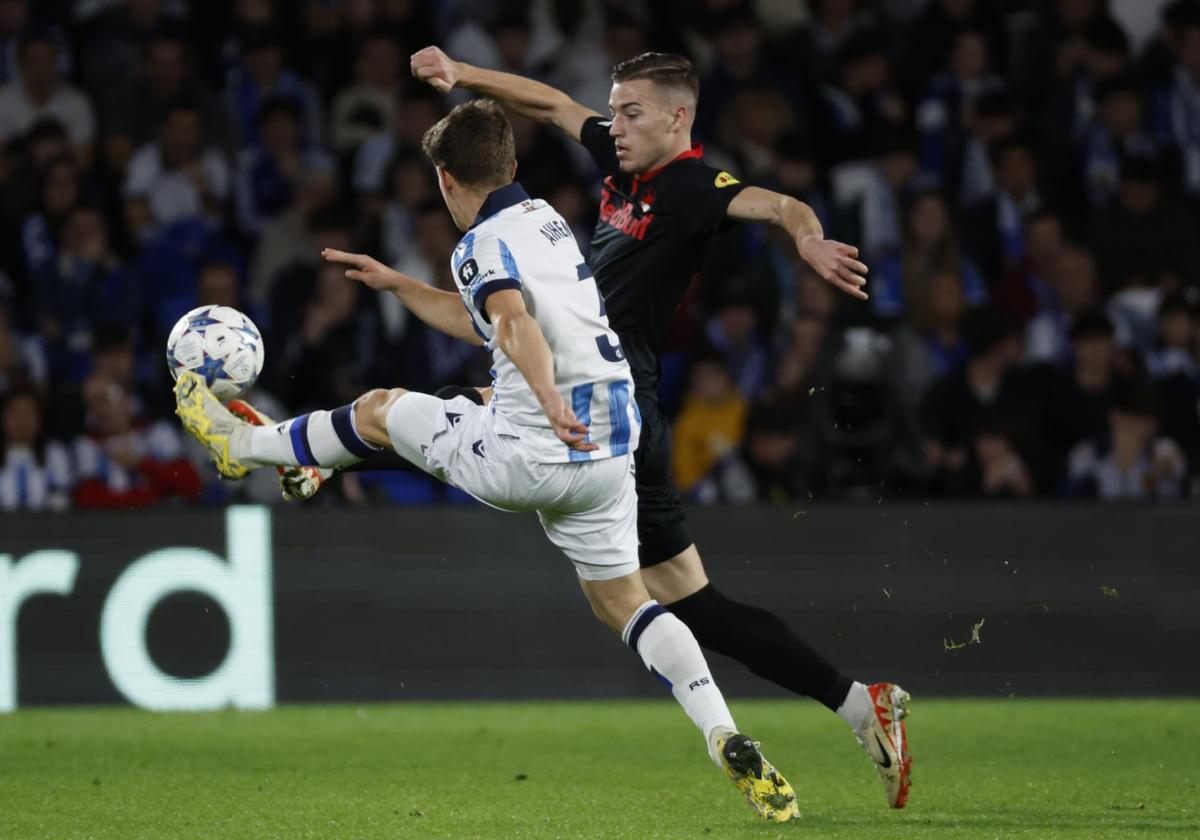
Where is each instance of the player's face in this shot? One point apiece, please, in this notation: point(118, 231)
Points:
point(642, 125)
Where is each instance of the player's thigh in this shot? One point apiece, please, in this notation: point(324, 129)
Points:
point(662, 525)
point(413, 421)
point(677, 577)
point(594, 520)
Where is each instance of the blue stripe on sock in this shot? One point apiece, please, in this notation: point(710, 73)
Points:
point(665, 681)
point(642, 622)
point(343, 424)
point(299, 434)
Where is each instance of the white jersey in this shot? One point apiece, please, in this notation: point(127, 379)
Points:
point(523, 243)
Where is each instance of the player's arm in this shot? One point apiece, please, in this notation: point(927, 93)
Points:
point(441, 310)
point(525, 96)
point(835, 262)
point(521, 339)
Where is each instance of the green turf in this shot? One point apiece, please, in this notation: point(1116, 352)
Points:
point(572, 770)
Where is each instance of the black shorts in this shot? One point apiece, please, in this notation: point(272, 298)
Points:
point(662, 526)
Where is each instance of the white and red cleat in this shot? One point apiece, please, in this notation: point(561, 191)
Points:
point(296, 483)
point(886, 740)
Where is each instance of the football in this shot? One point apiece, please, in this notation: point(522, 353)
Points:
point(219, 343)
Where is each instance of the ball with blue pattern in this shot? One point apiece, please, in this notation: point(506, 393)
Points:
point(219, 343)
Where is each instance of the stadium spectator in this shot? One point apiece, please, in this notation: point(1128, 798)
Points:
point(175, 177)
point(1066, 287)
point(930, 344)
point(35, 473)
point(41, 92)
point(990, 121)
point(268, 175)
point(287, 238)
point(86, 286)
point(134, 114)
point(942, 115)
point(861, 102)
point(334, 341)
point(22, 358)
point(952, 408)
point(1080, 397)
point(993, 229)
point(1176, 110)
point(1129, 460)
point(58, 194)
point(928, 39)
point(261, 78)
point(772, 455)
point(122, 463)
point(930, 245)
point(1117, 132)
point(1001, 471)
point(369, 105)
point(709, 427)
point(1142, 239)
point(115, 40)
point(419, 110)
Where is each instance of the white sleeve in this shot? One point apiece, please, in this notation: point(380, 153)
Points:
point(484, 264)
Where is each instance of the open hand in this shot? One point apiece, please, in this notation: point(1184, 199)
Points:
point(566, 425)
point(435, 68)
point(836, 263)
point(366, 270)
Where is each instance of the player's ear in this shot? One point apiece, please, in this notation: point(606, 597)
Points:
point(514, 172)
point(681, 118)
point(446, 180)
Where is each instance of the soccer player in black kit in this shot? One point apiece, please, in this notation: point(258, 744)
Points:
point(659, 206)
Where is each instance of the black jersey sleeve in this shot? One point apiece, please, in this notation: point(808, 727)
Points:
point(703, 196)
point(595, 138)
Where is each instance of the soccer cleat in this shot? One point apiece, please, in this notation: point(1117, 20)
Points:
point(208, 422)
point(764, 787)
point(886, 740)
point(296, 483)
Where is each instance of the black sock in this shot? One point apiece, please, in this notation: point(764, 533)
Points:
point(762, 642)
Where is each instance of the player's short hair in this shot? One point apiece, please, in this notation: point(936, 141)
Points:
point(474, 143)
point(667, 70)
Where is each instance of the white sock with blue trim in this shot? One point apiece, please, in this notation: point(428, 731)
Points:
point(671, 652)
point(322, 438)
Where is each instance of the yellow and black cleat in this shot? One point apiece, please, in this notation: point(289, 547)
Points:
point(764, 787)
point(209, 422)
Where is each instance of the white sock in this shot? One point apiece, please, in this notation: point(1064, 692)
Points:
point(322, 438)
point(857, 709)
point(670, 651)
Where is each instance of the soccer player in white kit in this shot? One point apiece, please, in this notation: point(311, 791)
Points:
point(557, 437)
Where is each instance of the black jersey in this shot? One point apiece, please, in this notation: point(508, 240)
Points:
point(650, 241)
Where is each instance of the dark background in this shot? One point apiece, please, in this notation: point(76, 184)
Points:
point(390, 605)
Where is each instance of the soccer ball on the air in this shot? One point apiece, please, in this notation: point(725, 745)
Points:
point(219, 343)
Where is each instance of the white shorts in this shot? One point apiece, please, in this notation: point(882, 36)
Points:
point(587, 508)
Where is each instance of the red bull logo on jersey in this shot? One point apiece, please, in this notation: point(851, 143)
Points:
point(625, 218)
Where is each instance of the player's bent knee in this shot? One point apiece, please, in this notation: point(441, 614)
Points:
point(370, 414)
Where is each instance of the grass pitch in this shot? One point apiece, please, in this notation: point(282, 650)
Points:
point(1004, 768)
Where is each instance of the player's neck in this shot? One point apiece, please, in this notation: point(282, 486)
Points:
point(683, 145)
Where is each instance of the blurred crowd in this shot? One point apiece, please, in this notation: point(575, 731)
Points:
point(1022, 177)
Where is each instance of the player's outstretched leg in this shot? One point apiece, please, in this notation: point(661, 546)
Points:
point(670, 652)
point(317, 439)
point(295, 483)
